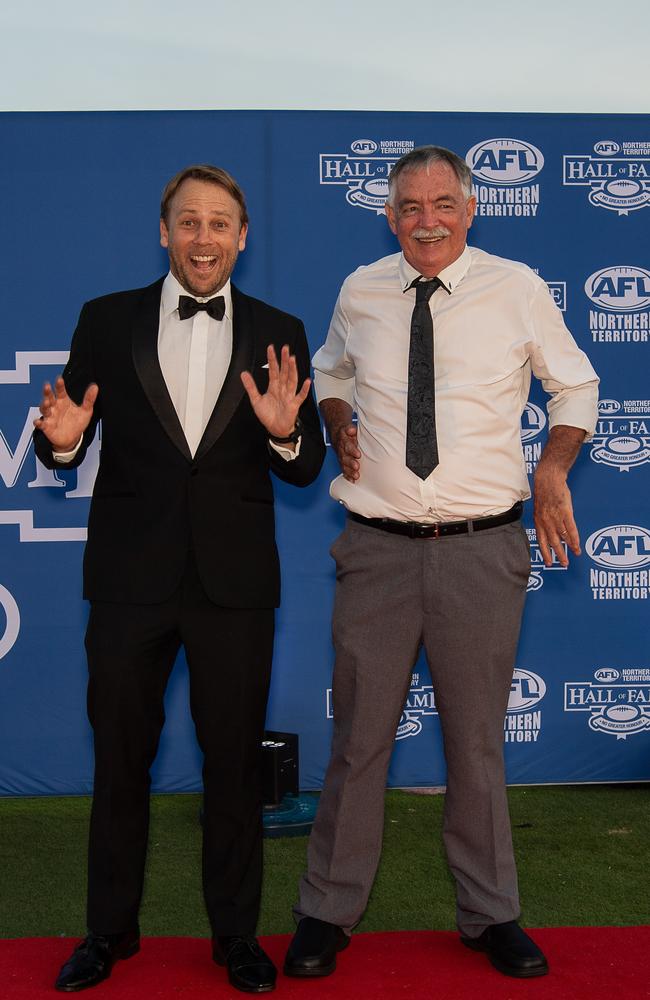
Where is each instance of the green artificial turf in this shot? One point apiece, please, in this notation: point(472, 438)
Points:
point(581, 851)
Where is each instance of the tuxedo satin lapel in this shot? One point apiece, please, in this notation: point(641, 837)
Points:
point(147, 366)
point(243, 358)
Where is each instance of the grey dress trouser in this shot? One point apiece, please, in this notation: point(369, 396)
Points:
point(462, 598)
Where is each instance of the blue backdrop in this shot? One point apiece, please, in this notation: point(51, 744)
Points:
point(566, 194)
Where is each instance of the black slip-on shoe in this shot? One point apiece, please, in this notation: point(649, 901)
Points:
point(510, 950)
point(314, 947)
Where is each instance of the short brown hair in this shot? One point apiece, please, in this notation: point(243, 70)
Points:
point(204, 172)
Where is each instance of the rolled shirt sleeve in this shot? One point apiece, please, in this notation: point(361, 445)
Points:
point(333, 368)
point(563, 369)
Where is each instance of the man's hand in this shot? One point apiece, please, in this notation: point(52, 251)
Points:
point(61, 420)
point(343, 435)
point(277, 409)
point(348, 452)
point(553, 511)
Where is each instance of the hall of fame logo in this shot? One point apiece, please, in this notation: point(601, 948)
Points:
point(10, 628)
point(503, 170)
point(618, 702)
point(620, 295)
point(364, 170)
point(617, 175)
point(622, 436)
point(21, 387)
point(557, 290)
point(420, 702)
point(526, 691)
point(558, 293)
point(538, 568)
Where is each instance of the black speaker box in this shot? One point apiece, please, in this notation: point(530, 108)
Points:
point(279, 766)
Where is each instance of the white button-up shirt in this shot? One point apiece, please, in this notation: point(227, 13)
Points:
point(495, 322)
point(194, 356)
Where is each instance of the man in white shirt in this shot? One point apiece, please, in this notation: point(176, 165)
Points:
point(433, 349)
point(202, 392)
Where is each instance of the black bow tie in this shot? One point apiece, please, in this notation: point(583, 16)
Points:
point(187, 306)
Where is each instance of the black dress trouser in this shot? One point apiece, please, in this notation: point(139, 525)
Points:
point(131, 650)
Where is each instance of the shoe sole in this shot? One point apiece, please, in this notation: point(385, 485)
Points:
point(299, 972)
point(506, 970)
point(251, 989)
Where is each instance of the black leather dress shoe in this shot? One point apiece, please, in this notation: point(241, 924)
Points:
point(93, 959)
point(313, 949)
point(249, 967)
point(510, 950)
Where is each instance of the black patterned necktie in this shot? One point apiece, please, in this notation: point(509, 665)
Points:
point(187, 306)
point(421, 443)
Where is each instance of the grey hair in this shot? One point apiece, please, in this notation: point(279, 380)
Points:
point(425, 156)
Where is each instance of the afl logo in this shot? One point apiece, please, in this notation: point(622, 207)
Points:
point(12, 621)
point(363, 147)
point(504, 161)
point(607, 147)
point(608, 407)
point(619, 288)
point(533, 422)
point(620, 546)
point(606, 675)
point(526, 690)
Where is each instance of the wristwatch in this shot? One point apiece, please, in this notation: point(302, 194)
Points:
point(292, 438)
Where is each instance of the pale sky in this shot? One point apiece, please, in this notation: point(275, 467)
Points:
point(498, 55)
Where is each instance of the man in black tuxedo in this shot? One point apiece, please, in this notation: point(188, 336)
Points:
point(202, 391)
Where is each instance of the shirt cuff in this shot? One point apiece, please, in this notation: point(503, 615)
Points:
point(286, 453)
point(330, 387)
point(576, 408)
point(67, 456)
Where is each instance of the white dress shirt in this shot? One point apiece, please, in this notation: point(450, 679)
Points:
point(495, 322)
point(194, 355)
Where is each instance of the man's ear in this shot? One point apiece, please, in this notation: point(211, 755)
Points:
point(390, 217)
point(471, 209)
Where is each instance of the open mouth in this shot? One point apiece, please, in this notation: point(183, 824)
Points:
point(430, 236)
point(203, 262)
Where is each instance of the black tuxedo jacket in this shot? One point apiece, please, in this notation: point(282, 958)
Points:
point(152, 501)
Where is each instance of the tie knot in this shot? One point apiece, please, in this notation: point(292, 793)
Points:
point(187, 307)
point(424, 288)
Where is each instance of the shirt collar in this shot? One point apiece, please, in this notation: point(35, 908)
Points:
point(450, 276)
point(172, 288)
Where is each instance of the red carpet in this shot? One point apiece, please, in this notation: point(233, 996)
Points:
point(586, 964)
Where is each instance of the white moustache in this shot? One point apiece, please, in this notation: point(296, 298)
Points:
point(430, 234)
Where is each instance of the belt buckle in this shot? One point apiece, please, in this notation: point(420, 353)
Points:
point(430, 530)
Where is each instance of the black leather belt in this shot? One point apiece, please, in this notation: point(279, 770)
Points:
point(413, 529)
